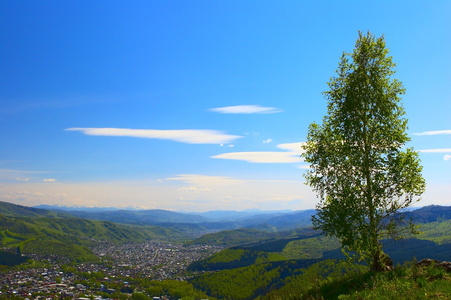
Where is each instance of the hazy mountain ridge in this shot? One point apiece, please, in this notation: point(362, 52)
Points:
point(214, 220)
point(229, 220)
point(15, 210)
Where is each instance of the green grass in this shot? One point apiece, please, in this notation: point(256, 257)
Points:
point(11, 239)
point(404, 282)
point(235, 258)
point(310, 248)
point(439, 232)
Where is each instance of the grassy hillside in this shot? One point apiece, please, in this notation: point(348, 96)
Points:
point(253, 238)
point(140, 217)
point(260, 247)
point(26, 230)
point(235, 258)
point(13, 210)
point(326, 281)
point(70, 238)
point(439, 232)
point(248, 282)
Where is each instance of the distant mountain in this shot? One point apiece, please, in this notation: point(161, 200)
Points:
point(230, 215)
point(252, 237)
point(431, 213)
point(282, 221)
point(14, 210)
point(213, 220)
point(76, 208)
point(147, 217)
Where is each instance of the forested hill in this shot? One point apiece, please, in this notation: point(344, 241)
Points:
point(432, 213)
point(148, 217)
point(14, 210)
point(28, 230)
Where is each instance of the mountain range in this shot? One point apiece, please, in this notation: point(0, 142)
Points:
point(212, 220)
point(29, 228)
point(225, 220)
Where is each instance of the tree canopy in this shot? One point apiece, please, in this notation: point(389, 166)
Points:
point(359, 165)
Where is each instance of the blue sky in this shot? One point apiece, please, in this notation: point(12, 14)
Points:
point(198, 105)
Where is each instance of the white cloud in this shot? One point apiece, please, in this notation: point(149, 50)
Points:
point(189, 136)
point(261, 157)
point(204, 180)
point(22, 179)
point(435, 150)
point(293, 147)
point(246, 109)
point(436, 132)
point(49, 179)
point(447, 157)
point(252, 133)
point(291, 156)
point(267, 141)
point(194, 189)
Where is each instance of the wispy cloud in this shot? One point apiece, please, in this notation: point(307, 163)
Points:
point(246, 109)
point(189, 136)
point(23, 171)
point(435, 150)
point(22, 179)
point(436, 132)
point(267, 141)
point(290, 156)
point(446, 157)
point(49, 179)
point(194, 189)
point(204, 180)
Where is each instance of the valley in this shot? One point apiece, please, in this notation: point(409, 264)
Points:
point(47, 253)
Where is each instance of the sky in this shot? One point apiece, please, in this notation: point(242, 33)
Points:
point(199, 105)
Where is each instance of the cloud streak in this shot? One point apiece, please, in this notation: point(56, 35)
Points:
point(435, 150)
point(204, 180)
point(436, 132)
point(246, 109)
point(188, 136)
point(49, 179)
point(292, 155)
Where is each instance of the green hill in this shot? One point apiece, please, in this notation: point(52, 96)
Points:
point(35, 231)
point(70, 238)
point(252, 237)
point(256, 247)
point(14, 210)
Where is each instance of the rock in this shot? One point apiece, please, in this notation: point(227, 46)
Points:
point(388, 262)
point(427, 262)
point(446, 265)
